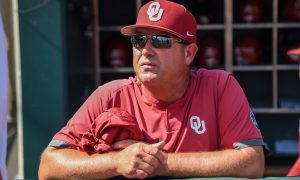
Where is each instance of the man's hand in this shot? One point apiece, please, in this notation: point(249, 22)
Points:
point(139, 160)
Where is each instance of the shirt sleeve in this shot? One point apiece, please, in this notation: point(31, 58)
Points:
point(295, 170)
point(238, 127)
point(80, 123)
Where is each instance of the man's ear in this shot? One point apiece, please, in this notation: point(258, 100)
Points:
point(190, 52)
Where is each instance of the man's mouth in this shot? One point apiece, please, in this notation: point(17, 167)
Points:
point(147, 64)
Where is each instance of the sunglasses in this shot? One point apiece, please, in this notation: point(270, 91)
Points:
point(157, 41)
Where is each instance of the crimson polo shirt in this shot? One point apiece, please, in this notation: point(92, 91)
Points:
point(213, 114)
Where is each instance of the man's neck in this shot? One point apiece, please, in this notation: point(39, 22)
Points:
point(168, 92)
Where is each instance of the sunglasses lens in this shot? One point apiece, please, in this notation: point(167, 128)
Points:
point(161, 41)
point(138, 41)
point(157, 41)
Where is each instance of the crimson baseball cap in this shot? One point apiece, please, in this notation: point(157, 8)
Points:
point(166, 16)
point(294, 51)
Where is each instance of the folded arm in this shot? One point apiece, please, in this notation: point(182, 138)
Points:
point(247, 162)
point(140, 160)
point(135, 161)
point(72, 164)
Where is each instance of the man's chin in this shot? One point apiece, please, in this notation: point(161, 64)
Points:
point(149, 80)
point(148, 77)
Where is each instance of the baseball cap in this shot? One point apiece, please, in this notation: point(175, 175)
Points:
point(294, 51)
point(294, 54)
point(166, 16)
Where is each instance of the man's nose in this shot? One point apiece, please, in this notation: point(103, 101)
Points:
point(148, 49)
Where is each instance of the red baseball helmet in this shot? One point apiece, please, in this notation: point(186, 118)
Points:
point(210, 52)
point(118, 52)
point(291, 10)
point(247, 50)
point(251, 11)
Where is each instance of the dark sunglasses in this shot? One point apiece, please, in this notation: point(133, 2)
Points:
point(157, 41)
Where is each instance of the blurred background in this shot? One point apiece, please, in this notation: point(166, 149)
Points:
point(61, 50)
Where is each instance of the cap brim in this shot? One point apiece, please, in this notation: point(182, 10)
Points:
point(132, 29)
point(294, 51)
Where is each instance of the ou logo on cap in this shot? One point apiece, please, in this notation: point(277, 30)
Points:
point(154, 10)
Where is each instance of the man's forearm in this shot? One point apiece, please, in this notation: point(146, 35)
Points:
point(138, 160)
point(73, 164)
point(248, 162)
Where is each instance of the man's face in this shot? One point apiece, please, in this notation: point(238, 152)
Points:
point(157, 66)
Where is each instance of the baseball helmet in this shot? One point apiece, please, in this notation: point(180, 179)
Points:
point(291, 10)
point(247, 50)
point(250, 11)
point(210, 52)
point(118, 52)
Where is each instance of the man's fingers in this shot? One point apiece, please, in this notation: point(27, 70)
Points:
point(151, 160)
point(146, 167)
point(137, 173)
point(123, 144)
point(140, 168)
point(139, 160)
point(140, 174)
point(155, 152)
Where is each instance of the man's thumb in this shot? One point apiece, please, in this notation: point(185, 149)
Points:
point(160, 145)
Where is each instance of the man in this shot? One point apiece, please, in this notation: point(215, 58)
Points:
point(295, 55)
point(194, 123)
point(3, 100)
